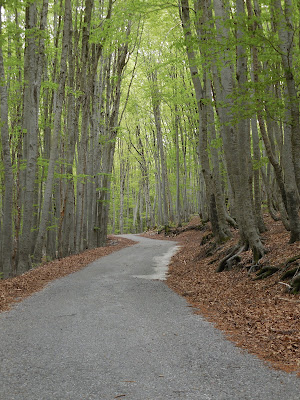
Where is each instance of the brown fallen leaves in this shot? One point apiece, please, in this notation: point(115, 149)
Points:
point(259, 316)
point(16, 289)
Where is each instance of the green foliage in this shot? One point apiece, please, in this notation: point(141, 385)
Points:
point(216, 143)
point(258, 164)
point(50, 85)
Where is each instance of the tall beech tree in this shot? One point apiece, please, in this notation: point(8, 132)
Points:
point(6, 231)
point(58, 106)
point(34, 64)
point(216, 211)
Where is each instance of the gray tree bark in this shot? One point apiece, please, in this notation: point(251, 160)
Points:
point(33, 69)
point(113, 97)
point(286, 180)
point(256, 177)
point(58, 106)
point(6, 239)
point(216, 214)
point(155, 98)
point(178, 191)
point(236, 145)
point(286, 44)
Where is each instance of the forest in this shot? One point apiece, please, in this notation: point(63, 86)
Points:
point(120, 116)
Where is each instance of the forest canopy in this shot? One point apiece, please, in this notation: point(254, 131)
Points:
point(118, 116)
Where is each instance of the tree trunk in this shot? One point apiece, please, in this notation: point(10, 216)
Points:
point(145, 174)
point(287, 186)
point(256, 177)
point(67, 233)
point(161, 153)
point(178, 202)
point(236, 146)
point(286, 44)
point(58, 106)
point(6, 232)
point(201, 96)
point(33, 68)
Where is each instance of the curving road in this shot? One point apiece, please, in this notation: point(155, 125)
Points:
point(107, 332)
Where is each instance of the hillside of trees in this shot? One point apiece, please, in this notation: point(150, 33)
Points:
point(120, 116)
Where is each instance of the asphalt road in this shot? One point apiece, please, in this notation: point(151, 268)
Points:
point(107, 332)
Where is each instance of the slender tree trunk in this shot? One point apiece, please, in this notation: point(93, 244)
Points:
point(33, 69)
point(6, 232)
point(111, 129)
point(82, 145)
point(178, 202)
point(66, 237)
point(158, 204)
point(145, 179)
point(223, 217)
point(256, 177)
point(184, 194)
point(162, 161)
point(123, 173)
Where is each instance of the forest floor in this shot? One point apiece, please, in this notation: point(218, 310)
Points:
point(260, 316)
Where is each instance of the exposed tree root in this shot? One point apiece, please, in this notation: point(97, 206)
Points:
point(289, 274)
point(253, 268)
point(206, 238)
point(265, 272)
point(292, 274)
point(212, 248)
point(231, 258)
point(290, 261)
point(295, 283)
point(231, 221)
